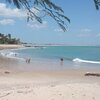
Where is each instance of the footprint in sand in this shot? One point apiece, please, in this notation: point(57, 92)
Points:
point(4, 94)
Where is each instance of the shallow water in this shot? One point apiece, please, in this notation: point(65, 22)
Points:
point(48, 58)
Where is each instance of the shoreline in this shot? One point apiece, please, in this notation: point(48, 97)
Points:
point(13, 67)
point(10, 46)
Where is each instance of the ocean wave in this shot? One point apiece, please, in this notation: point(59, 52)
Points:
point(10, 54)
point(77, 60)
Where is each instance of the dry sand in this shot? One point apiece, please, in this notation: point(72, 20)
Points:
point(48, 86)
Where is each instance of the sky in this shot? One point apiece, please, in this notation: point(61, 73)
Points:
point(84, 28)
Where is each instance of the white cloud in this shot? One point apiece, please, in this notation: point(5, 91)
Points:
point(86, 30)
point(10, 12)
point(58, 30)
point(34, 10)
point(98, 35)
point(13, 12)
point(84, 35)
point(36, 26)
point(7, 22)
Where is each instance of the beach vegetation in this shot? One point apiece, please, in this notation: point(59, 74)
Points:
point(7, 39)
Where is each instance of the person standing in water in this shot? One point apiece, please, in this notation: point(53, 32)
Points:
point(61, 59)
point(28, 60)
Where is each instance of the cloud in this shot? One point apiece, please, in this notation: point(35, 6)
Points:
point(35, 10)
point(84, 35)
point(98, 35)
point(10, 12)
point(13, 12)
point(7, 22)
point(36, 26)
point(58, 30)
point(88, 35)
point(86, 30)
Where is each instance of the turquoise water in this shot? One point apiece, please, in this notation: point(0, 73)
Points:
point(67, 52)
point(73, 56)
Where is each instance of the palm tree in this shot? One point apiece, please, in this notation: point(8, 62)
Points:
point(6, 39)
point(9, 36)
point(1, 35)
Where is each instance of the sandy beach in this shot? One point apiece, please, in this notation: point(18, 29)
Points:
point(10, 46)
point(46, 85)
point(49, 50)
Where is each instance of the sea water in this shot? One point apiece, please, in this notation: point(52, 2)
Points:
point(74, 57)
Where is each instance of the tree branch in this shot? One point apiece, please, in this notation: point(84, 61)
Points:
point(46, 6)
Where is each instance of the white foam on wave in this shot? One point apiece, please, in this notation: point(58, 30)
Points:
point(10, 54)
point(77, 60)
